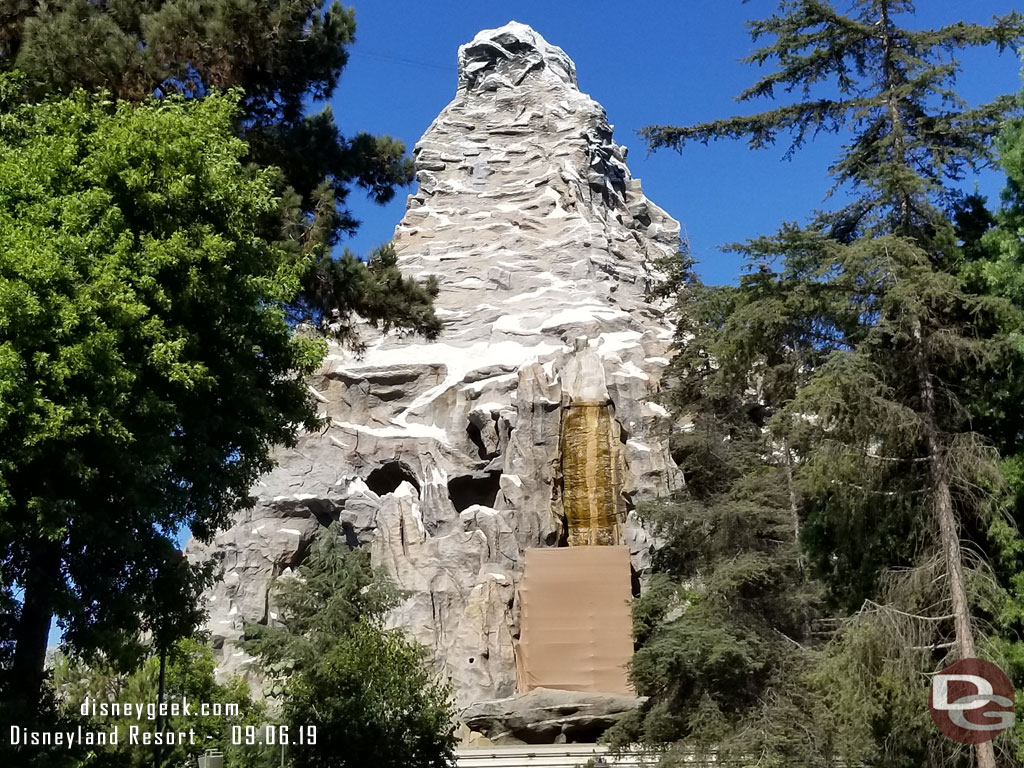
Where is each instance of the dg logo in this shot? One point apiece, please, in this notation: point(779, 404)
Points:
point(972, 701)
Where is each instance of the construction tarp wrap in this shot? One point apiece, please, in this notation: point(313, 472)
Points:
point(591, 479)
point(575, 621)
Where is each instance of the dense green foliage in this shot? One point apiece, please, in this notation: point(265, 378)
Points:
point(999, 269)
point(281, 54)
point(876, 371)
point(189, 678)
point(887, 450)
point(284, 55)
point(367, 690)
point(731, 613)
point(1004, 252)
point(146, 364)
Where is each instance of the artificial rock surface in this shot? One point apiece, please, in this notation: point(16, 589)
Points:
point(546, 716)
point(444, 458)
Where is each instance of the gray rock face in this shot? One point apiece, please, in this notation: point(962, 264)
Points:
point(443, 458)
point(544, 716)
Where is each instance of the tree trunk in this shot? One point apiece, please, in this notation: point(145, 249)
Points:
point(949, 531)
point(33, 629)
point(949, 536)
point(157, 754)
point(898, 135)
point(794, 507)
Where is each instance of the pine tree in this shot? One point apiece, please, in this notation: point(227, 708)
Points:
point(283, 54)
point(726, 628)
point(890, 89)
point(890, 461)
point(891, 470)
point(332, 664)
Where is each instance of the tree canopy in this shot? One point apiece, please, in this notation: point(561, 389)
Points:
point(284, 55)
point(870, 359)
point(146, 363)
point(162, 242)
point(281, 54)
point(725, 625)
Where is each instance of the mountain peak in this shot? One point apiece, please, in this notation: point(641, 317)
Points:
point(506, 56)
point(526, 210)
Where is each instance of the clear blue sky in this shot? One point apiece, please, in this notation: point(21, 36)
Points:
point(648, 62)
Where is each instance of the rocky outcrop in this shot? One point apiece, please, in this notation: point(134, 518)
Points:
point(444, 458)
point(545, 716)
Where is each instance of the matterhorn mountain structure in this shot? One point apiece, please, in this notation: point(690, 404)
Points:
point(528, 424)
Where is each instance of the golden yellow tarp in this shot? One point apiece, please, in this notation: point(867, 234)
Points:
point(590, 475)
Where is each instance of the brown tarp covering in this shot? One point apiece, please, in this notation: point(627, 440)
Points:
point(590, 477)
point(575, 626)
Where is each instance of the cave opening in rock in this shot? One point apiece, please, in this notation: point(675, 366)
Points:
point(478, 488)
point(351, 537)
point(388, 476)
point(476, 437)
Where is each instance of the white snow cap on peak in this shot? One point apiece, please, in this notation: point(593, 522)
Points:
point(506, 56)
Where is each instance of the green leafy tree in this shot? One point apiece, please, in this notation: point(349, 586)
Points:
point(190, 678)
point(367, 690)
point(892, 472)
point(146, 364)
point(1000, 269)
point(284, 55)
